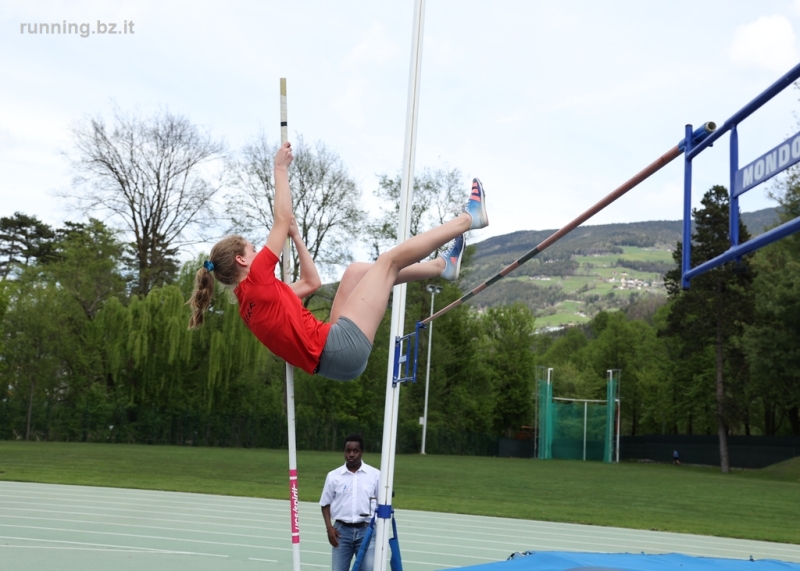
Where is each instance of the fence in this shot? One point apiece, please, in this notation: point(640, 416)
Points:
point(66, 422)
point(744, 451)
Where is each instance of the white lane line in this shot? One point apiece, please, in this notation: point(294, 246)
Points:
point(440, 565)
point(144, 518)
point(137, 496)
point(312, 565)
point(559, 528)
point(191, 501)
point(88, 503)
point(156, 537)
point(266, 560)
point(144, 511)
point(608, 545)
point(160, 538)
point(58, 490)
point(63, 547)
point(104, 523)
point(121, 547)
point(592, 533)
point(449, 555)
point(530, 531)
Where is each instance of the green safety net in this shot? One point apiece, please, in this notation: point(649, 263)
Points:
point(575, 430)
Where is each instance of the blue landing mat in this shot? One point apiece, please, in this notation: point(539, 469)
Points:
point(568, 561)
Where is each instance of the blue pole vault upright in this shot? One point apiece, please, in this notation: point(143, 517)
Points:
point(742, 179)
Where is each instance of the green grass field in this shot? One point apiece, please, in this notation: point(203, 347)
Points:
point(559, 319)
point(759, 504)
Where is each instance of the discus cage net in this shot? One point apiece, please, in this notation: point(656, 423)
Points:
point(577, 429)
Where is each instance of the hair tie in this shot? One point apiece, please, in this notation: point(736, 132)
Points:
point(208, 265)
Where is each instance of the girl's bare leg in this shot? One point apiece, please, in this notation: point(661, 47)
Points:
point(367, 301)
point(355, 273)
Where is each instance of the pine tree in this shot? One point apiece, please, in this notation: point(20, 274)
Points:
point(23, 240)
point(714, 310)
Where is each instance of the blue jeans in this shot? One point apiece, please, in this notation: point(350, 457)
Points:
point(350, 539)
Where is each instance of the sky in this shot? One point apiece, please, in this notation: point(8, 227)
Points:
point(551, 104)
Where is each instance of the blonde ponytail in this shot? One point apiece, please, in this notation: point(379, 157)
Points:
point(222, 265)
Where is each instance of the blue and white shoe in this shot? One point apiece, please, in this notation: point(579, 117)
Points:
point(452, 259)
point(476, 207)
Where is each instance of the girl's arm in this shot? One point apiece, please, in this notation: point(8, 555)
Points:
point(282, 207)
point(309, 281)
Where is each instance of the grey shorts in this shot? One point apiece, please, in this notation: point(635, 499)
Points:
point(346, 352)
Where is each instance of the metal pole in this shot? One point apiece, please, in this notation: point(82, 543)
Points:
point(585, 416)
point(290, 414)
point(433, 290)
point(618, 415)
point(392, 404)
point(733, 219)
point(619, 409)
point(548, 422)
point(686, 251)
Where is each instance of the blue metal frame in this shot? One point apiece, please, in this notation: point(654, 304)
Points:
point(395, 561)
point(691, 149)
point(405, 365)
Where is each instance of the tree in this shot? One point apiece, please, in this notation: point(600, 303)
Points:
point(437, 193)
point(42, 331)
point(326, 200)
point(509, 356)
point(771, 341)
point(150, 175)
point(713, 311)
point(23, 240)
point(85, 264)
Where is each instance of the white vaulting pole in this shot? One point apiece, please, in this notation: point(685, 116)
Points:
point(290, 416)
point(388, 449)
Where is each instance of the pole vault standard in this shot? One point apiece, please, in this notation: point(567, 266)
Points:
point(700, 134)
point(384, 511)
point(290, 415)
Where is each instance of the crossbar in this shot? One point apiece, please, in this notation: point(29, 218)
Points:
point(642, 175)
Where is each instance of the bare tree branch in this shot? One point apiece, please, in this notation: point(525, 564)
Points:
point(438, 193)
point(151, 175)
point(326, 201)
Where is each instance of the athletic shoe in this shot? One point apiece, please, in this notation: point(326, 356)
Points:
point(476, 207)
point(452, 259)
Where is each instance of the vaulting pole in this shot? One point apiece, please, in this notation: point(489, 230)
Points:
point(290, 415)
point(383, 523)
point(648, 171)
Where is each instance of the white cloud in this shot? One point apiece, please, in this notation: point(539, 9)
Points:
point(767, 43)
point(795, 7)
point(374, 48)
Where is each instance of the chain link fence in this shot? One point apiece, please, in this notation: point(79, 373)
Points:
point(104, 422)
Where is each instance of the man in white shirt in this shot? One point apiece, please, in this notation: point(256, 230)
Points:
point(347, 504)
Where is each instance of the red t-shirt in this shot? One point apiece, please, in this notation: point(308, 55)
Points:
point(276, 316)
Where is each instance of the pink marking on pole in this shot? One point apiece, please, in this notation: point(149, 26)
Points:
point(293, 501)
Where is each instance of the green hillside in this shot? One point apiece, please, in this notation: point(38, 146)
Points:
point(592, 269)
